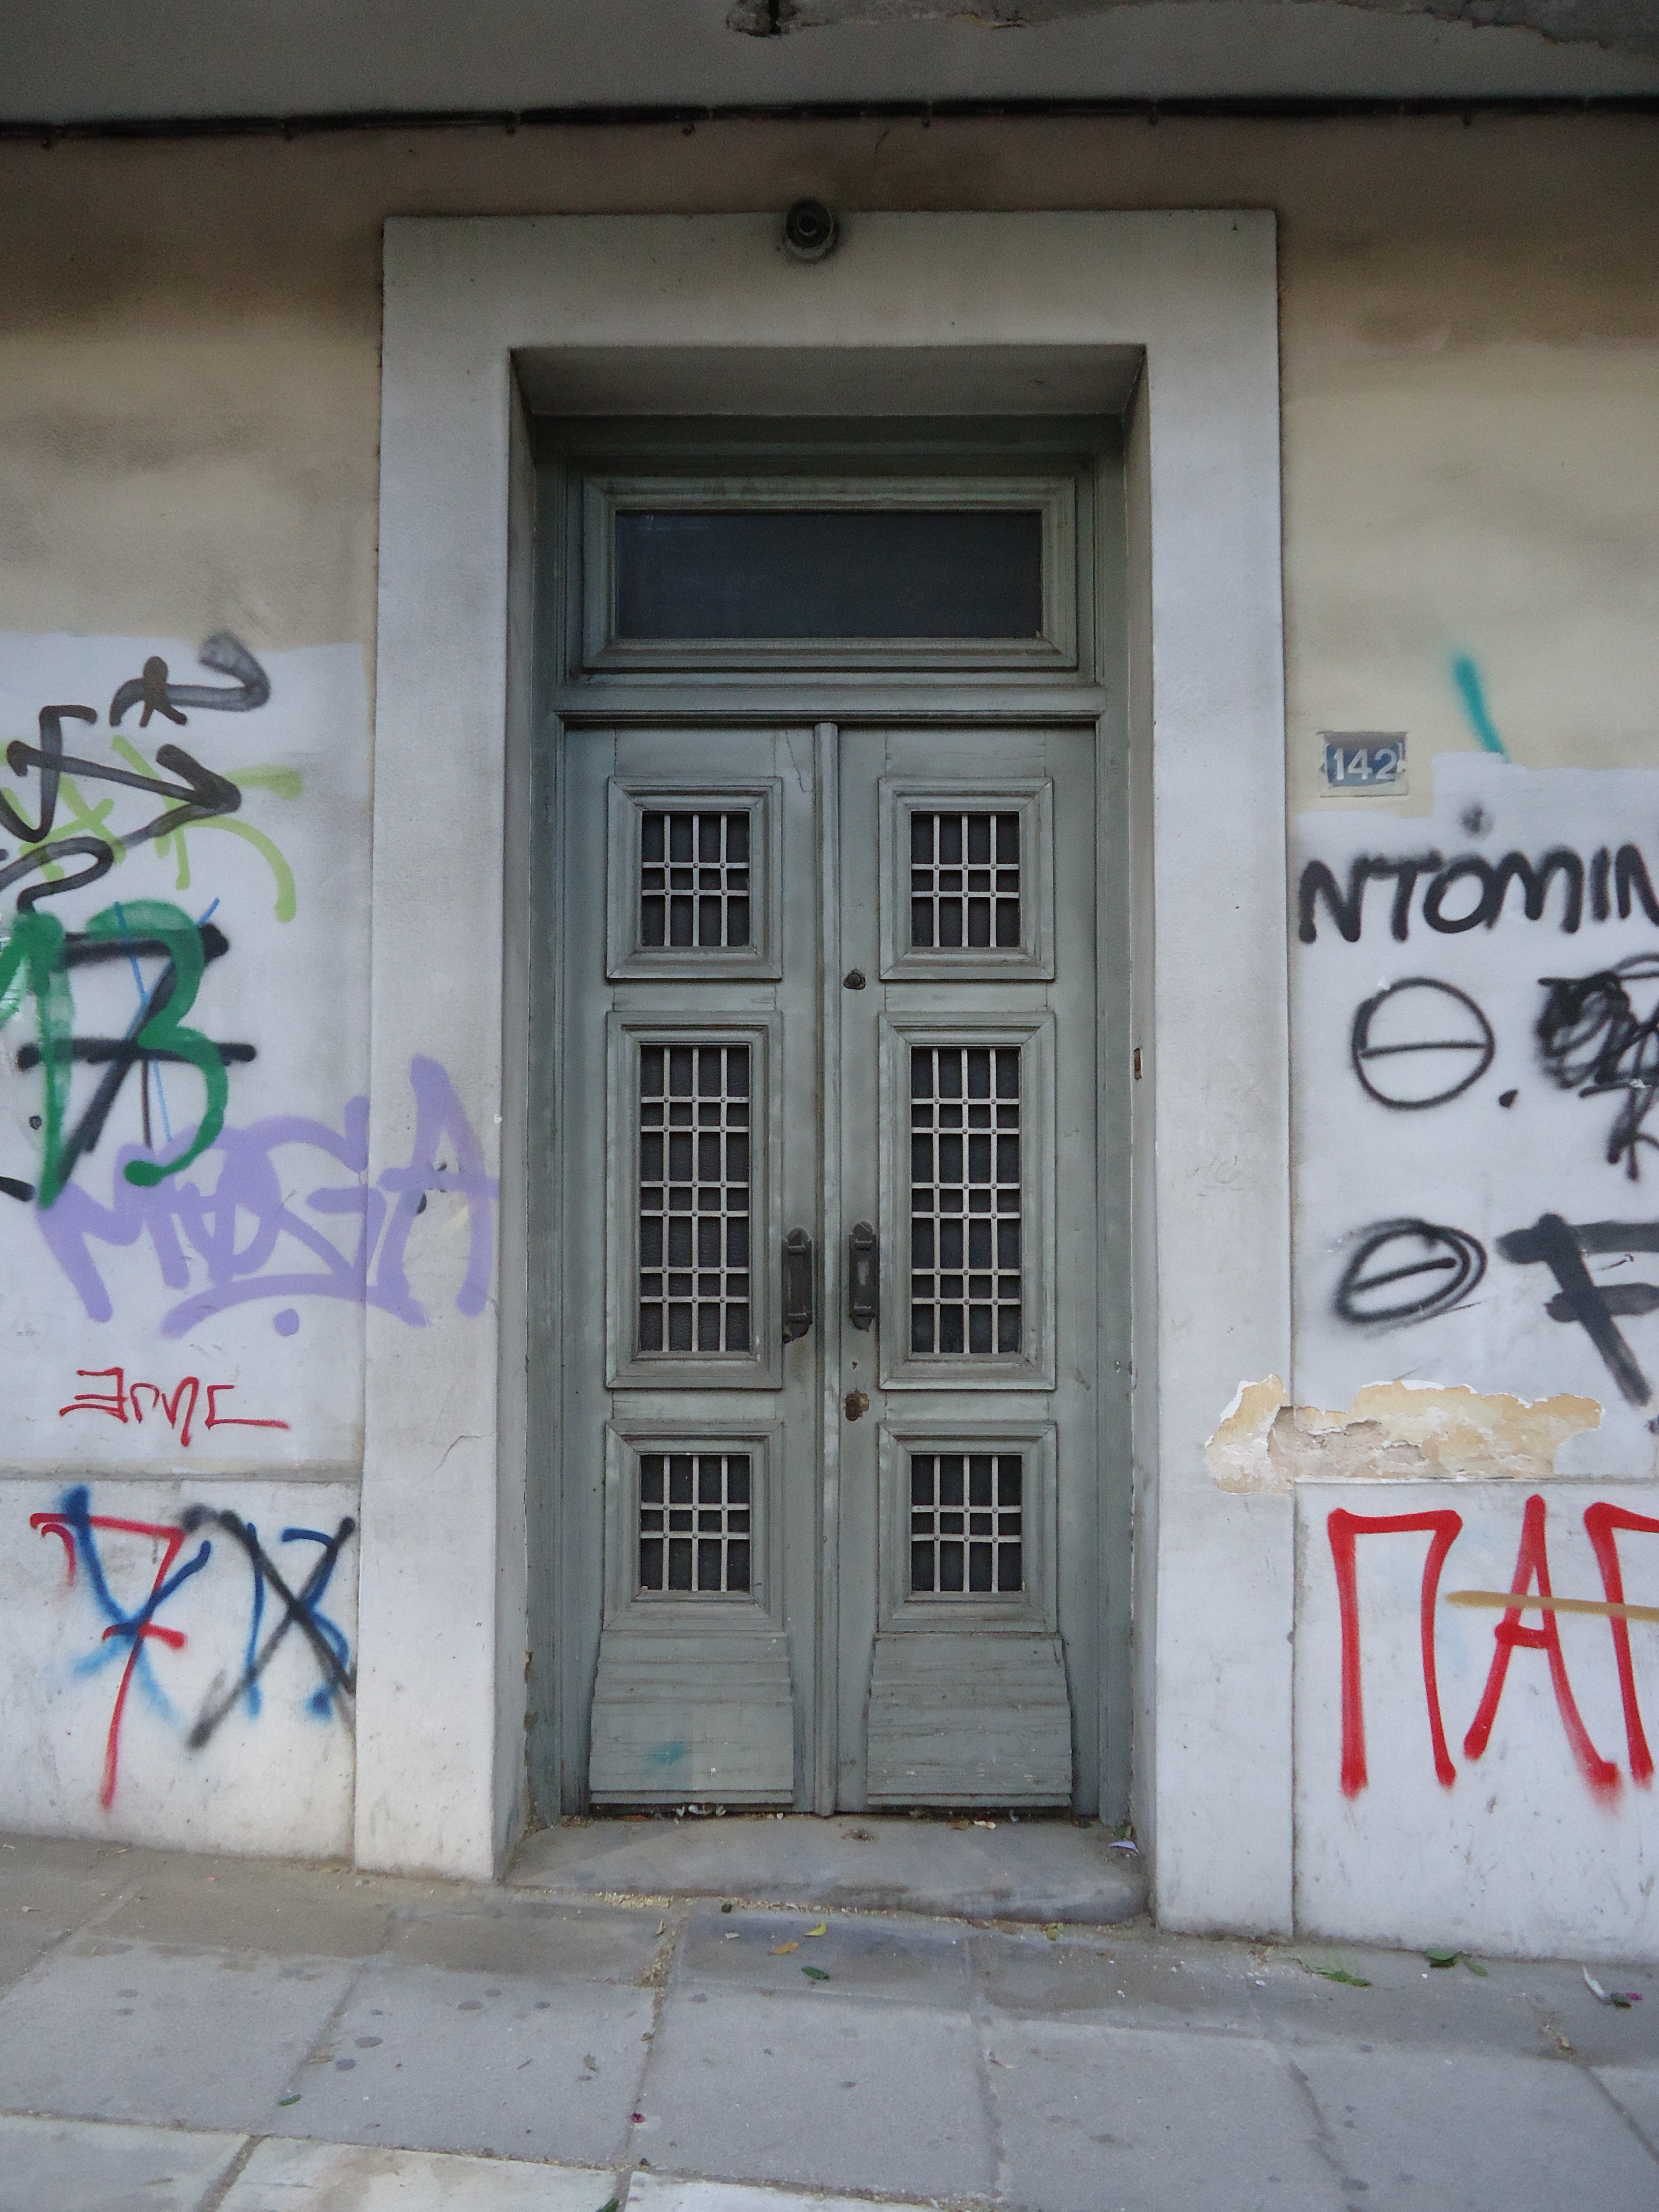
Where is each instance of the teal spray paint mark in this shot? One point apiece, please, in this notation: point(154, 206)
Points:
point(1470, 690)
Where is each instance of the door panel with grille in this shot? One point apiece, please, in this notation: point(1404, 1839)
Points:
point(824, 986)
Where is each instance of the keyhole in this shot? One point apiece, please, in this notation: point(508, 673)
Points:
point(853, 980)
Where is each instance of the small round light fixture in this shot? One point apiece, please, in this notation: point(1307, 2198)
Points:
point(810, 230)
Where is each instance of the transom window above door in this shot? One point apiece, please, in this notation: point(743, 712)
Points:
point(898, 548)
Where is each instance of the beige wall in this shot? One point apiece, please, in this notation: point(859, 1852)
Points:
point(189, 379)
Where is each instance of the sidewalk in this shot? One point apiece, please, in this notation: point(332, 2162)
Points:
point(184, 2035)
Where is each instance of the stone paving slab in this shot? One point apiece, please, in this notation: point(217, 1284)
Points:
point(125, 2031)
point(803, 2089)
point(979, 1868)
point(91, 2165)
point(430, 2059)
point(1120, 2120)
point(1480, 2133)
point(324, 2177)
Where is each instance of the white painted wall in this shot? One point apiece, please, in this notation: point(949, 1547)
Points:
point(1543, 1835)
point(192, 1349)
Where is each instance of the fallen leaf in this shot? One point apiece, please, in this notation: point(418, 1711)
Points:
point(288, 2100)
point(962, 1824)
point(1341, 1974)
point(782, 1950)
point(815, 1973)
point(1443, 1958)
point(822, 1928)
point(610, 2204)
point(725, 1908)
point(1052, 1931)
point(590, 2062)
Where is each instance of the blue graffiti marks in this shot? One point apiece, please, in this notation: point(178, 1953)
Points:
point(248, 1232)
point(131, 1630)
point(1472, 694)
point(301, 1609)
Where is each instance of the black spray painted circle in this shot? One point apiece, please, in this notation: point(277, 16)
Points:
point(1420, 1043)
point(1408, 1270)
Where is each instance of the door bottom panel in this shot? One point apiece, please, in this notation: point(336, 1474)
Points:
point(690, 1716)
point(967, 1718)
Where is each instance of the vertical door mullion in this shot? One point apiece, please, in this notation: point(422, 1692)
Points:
point(826, 1734)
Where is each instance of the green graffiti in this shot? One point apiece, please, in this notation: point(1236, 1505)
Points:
point(283, 782)
point(32, 965)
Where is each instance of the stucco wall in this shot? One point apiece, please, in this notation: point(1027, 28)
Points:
point(189, 403)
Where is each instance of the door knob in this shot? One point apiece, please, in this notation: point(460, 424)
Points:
point(863, 1274)
point(797, 1284)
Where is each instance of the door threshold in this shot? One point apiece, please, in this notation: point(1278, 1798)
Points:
point(985, 1868)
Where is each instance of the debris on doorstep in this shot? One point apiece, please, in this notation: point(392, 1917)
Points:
point(822, 1928)
point(1052, 1931)
point(1124, 1844)
point(727, 1907)
point(1337, 1974)
point(782, 1950)
point(1624, 1999)
point(289, 2100)
point(815, 1973)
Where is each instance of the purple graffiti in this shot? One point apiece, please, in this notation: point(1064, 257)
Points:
point(245, 1227)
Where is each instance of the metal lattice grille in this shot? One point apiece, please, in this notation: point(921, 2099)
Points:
point(966, 1523)
point(964, 880)
point(694, 879)
point(965, 1285)
point(695, 1522)
point(694, 1198)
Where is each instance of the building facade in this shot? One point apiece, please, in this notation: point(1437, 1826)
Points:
point(843, 1029)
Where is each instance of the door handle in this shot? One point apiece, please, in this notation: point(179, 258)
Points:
point(797, 1284)
point(863, 1274)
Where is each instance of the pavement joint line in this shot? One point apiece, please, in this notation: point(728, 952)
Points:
point(233, 2173)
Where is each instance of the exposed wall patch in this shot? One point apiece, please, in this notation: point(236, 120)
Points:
point(1393, 1432)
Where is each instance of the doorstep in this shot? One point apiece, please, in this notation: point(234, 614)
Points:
point(1032, 1868)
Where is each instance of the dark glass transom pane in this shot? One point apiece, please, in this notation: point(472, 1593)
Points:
point(830, 573)
point(694, 1186)
point(965, 1280)
point(964, 880)
point(694, 1522)
point(694, 878)
point(967, 1523)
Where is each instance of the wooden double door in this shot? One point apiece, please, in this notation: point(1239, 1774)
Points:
point(830, 1246)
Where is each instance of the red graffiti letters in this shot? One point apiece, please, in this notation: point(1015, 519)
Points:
point(1343, 1527)
point(126, 1401)
point(1529, 1591)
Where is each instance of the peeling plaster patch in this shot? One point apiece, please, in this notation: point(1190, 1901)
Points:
point(1393, 1432)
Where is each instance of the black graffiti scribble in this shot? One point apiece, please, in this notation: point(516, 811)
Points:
point(1486, 884)
point(1595, 1039)
point(1442, 1264)
point(1365, 1048)
point(299, 1610)
point(119, 1056)
point(1560, 1246)
point(223, 652)
point(200, 796)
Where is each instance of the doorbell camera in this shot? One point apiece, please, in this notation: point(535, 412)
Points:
point(810, 230)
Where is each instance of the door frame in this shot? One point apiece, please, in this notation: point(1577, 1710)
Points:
point(1175, 313)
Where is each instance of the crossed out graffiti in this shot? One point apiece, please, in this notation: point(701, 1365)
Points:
point(1529, 1592)
point(132, 1632)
